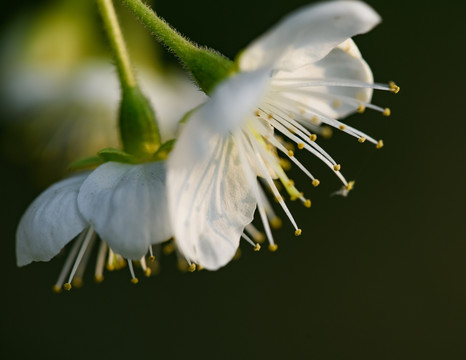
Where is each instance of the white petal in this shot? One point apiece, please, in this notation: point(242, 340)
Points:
point(308, 34)
point(127, 206)
point(343, 63)
point(50, 222)
point(209, 199)
point(233, 100)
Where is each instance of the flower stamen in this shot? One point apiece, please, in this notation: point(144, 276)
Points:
point(90, 234)
point(69, 261)
point(256, 246)
point(99, 268)
point(257, 235)
point(134, 279)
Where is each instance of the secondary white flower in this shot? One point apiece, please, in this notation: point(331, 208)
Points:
point(303, 73)
point(124, 205)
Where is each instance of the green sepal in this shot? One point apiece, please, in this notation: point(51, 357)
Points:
point(164, 150)
point(86, 163)
point(117, 155)
point(186, 116)
point(207, 67)
point(138, 127)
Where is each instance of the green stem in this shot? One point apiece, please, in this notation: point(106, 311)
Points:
point(117, 43)
point(208, 67)
point(137, 123)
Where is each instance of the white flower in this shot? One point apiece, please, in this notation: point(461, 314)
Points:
point(124, 205)
point(303, 73)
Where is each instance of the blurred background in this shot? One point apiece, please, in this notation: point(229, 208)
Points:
point(380, 274)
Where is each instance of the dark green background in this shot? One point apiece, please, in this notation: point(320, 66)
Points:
point(378, 275)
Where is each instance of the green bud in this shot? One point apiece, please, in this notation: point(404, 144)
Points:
point(138, 127)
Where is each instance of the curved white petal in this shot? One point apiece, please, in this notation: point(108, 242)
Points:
point(308, 34)
point(50, 222)
point(209, 199)
point(343, 64)
point(233, 100)
point(127, 206)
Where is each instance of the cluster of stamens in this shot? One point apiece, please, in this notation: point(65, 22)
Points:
point(79, 254)
point(280, 112)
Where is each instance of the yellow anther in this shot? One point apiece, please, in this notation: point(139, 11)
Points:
point(199, 267)
point(257, 247)
point(98, 279)
point(362, 139)
point(257, 113)
point(110, 267)
point(315, 182)
point(313, 137)
point(273, 247)
point(300, 146)
point(315, 120)
point(290, 153)
point(151, 258)
point(394, 88)
point(67, 286)
point(290, 182)
point(326, 132)
point(134, 280)
point(192, 267)
point(148, 272)
point(337, 167)
point(285, 164)
point(259, 237)
point(276, 222)
point(387, 112)
point(270, 116)
point(379, 144)
point(298, 232)
point(77, 282)
point(307, 203)
point(336, 104)
point(56, 289)
point(350, 186)
point(361, 108)
point(168, 249)
point(121, 263)
point(342, 127)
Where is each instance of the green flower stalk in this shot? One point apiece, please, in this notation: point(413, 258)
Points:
point(207, 66)
point(138, 127)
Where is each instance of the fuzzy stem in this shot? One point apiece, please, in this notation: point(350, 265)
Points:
point(207, 66)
